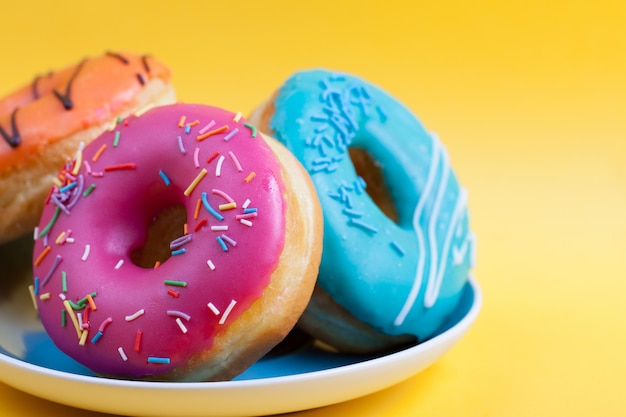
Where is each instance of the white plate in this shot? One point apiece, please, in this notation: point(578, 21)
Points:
point(300, 379)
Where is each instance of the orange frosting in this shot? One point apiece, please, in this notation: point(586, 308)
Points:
point(96, 89)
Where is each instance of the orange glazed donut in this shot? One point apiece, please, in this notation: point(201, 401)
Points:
point(42, 124)
point(203, 259)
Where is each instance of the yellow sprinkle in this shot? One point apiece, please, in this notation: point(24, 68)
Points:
point(237, 117)
point(250, 177)
point(45, 296)
point(70, 311)
point(228, 206)
point(83, 338)
point(79, 161)
point(59, 238)
point(57, 182)
point(195, 182)
point(31, 290)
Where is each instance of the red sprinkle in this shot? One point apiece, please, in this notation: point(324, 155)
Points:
point(200, 224)
point(47, 200)
point(173, 293)
point(120, 167)
point(138, 340)
point(212, 157)
point(86, 318)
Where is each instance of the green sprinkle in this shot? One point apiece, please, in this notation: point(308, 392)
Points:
point(63, 318)
point(89, 190)
point(117, 139)
point(175, 283)
point(52, 221)
point(64, 282)
point(83, 301)
point(120, 120)
point(252, 128)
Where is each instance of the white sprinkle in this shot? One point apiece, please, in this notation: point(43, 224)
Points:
point(135, 315)
point(219, 228)
point(233, 157)
point(218, 167)
point(62, 296)
point(196, 162)
point(86, 253)
point(120, 350)
point(211, 264)
point(214, 309)
point(119, 264)
point(227, 312)
point(181, 325)
point(246, 203)
point(207, 127)
point(70, 240)
point(246, 222)
point(36, 233)
point(79, 316)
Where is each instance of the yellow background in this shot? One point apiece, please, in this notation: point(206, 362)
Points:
point(530, 100)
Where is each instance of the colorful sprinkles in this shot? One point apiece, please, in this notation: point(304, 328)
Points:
point(80, 178)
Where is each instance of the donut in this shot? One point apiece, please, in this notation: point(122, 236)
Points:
point(42, 123)
point(397, 245)
point(181, 246)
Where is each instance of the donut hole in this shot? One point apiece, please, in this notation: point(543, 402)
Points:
point(369, 169)
point(166, 226)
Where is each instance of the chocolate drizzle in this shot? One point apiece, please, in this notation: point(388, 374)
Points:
point(14, 138)
point(35, 89)
point(144, 61)
point(35, 85)
point(65, 98)
point(124, 60)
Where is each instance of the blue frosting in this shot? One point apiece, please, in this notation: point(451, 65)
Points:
point(403, 277)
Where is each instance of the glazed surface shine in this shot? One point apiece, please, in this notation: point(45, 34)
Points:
point(404, 277)
point(61, 103)
point(147, 321)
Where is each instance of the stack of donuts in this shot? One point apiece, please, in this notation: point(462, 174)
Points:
point(183, 242)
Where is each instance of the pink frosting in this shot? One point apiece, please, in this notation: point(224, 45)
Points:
point(147, 321)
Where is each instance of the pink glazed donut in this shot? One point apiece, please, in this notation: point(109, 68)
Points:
point(182, 245)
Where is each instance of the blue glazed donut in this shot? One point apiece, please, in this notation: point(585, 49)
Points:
point(397, 249)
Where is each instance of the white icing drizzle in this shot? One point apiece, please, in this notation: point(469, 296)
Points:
point(438, 263)
point(432, 226)
point(417, 281)
point(432, 290)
